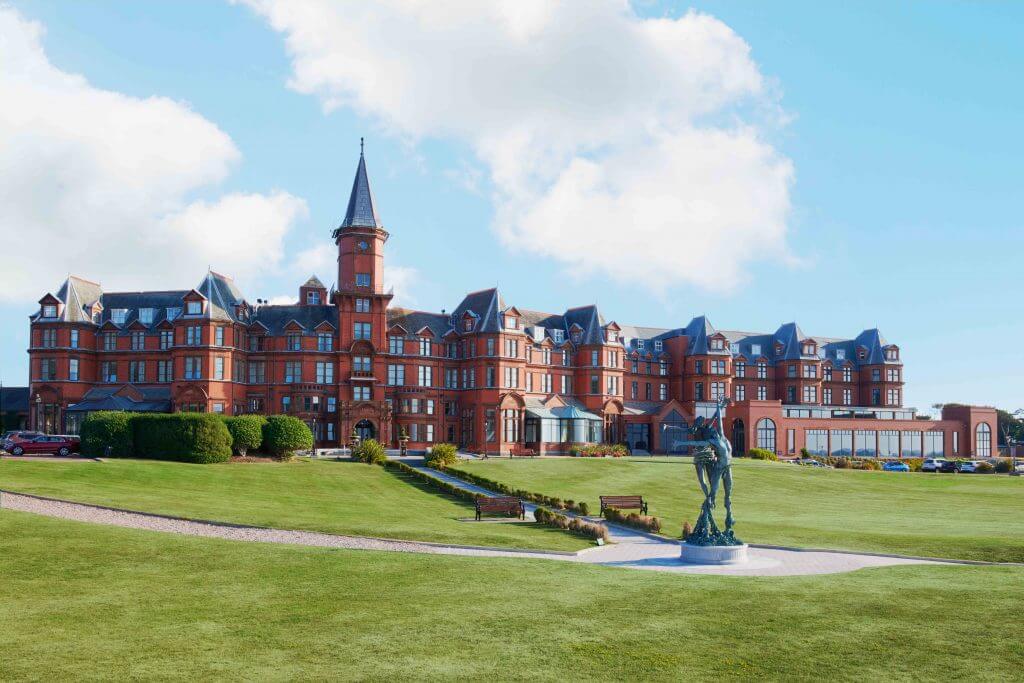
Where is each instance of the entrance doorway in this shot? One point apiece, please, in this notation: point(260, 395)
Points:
point(739, 437)
point(638, 436)
point(365, 430)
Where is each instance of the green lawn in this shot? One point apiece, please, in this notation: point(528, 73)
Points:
point(336, 497)
point(957, 516)
point(79, 601)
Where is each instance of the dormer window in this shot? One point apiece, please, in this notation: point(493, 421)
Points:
point(840, 354)
point(808, 349)
point(640, 344)
point(717, 345)
point(173, 313)
point(658, 345)
point(467, 324)
point(49, 311)
point(755, 349)
point(612, 335)
point(557, 335)
point(313, 298)
point(892, 354)
point(511, 322)
point(575, 336)
point(862, 354)
point(118, 315)
point(193, 307)
point(146, 316)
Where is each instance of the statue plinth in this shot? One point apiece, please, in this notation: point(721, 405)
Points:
point(712, 554)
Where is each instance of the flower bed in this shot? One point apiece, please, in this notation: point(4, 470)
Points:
point(599, 450)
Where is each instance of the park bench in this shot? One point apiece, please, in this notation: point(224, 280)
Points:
point(623, 503)
point(500, 505)
point(521, 450)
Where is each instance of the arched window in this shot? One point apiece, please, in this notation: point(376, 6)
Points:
point(766, 434)
point(983, 441)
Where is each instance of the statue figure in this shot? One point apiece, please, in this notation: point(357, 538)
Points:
point(713, 462)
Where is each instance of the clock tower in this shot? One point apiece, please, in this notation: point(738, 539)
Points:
point(361, 299)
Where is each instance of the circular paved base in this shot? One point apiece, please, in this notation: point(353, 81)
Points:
point(712, 554)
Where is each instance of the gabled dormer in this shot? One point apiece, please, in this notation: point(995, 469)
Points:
point(313, 292)
point(575, 333)
point(862, 353)
point(717, 343)
point(612, 333)
point(195, 304)
point(50, 308)
point(808, 347)
point(511, 319)
point(468, 322)
point(892, 353)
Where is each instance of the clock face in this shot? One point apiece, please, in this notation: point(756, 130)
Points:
point(363, 246)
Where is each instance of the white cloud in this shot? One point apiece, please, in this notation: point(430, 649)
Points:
point(609, 139)
point(98, 183)
point(322, 260)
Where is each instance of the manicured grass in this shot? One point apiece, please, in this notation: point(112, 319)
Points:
point(962, 516)
point(79, 601)
point(336, 497)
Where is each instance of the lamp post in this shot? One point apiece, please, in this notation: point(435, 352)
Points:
point(39, 411)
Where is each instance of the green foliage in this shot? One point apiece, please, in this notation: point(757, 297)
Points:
point(107, 428)
point(246, 432)
point(442, 455)
point(284, 434)
point(599, 450)
point(369, 451)
point(1003, 466)
point(762, 454)
point(573, 525)
point(841, 464)
point(579, 508)
point(432, 481)
point(184, 437)
point(985, 468)
point(804, 453)
point(647, 523)
point(866, 464)
point(913, 463)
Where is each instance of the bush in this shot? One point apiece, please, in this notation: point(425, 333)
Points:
point(246, 432)
point(583, 509)
point(184, 437)
point(841, 464)
point(762, 454)
point(369, 451)
point(599, 450)
point(284, 434)
point(985, 468)
point(913, 463)
point(442, 455)
point(1003, 466)
point(804, 453)
point(579, 508)
point(574, 525)
point(687, 530)
point(107, 428)
point(643, 522)
point(866, 464)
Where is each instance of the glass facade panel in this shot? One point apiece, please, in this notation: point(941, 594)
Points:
point(933, 445)
point(864, 443)
point(910, 444)
point(816, 441)
point(842, 443)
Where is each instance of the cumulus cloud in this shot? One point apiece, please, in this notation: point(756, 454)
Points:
point(102, 184)
point(605, 136)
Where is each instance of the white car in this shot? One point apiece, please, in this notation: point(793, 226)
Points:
point(931, 465)
point(969, 466)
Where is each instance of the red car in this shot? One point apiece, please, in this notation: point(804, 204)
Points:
point(61, 445)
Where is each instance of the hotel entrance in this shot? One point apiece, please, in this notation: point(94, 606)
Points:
point(638, 436)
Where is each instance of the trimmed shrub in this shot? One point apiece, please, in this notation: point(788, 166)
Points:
point(284, 434)
point(647, 523)
point(599, 450)
point(579, 508)
point(246, 432)
point(804, 453)
point(762, 454)
point(442, 455)
point(107, 428)
point(573, 525)
point(439, 484)
point(841, 464)
point(985, 468)
point(583, 509)
point(687, 530)
point(369, 451)
point(184, 437)
point(1003, 466)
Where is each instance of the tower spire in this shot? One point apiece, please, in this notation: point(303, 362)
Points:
point(362, 210)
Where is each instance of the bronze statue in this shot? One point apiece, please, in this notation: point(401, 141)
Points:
point(713, 462)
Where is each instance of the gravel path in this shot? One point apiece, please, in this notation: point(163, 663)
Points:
point(629, 549)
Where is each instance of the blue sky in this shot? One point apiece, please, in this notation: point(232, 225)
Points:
point(899, 124)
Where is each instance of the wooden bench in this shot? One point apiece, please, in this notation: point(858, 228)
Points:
point(623, 503)
point(520, 450)
point(500, 505)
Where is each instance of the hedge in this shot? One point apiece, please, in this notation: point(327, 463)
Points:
point(284, 434)
point(107, 428)
point(573, 525)
point(599, 450)
point(246, 432)
point(580, 508)
point(185, 437)
point(643, 522)
point(433, 482)
point(761, 454)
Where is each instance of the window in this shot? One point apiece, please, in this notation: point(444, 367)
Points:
point(396, 375)
point(332, 404)
point(566, 358)
point(428, 432)
point(362, 305)
point(257, 372)
point(740, 369)
point(164, 371)
point(511, 378)
point(511, 322)
point(864, 441)
point(613, 385)
point(740, 391)
point(892, 354)
point(662, 391)
point(426, 376)
point(108, 371)
point(362, 279)
point(511, 348)
point(137, 371)
point(762, 370)
point(293, 372)
point(613, 359)
point(762, 392)
point(109, 341)
point(424, 346)
point(218, 367)
point(810, 394)
point(810, 372)
point(467, 324)
point(791, 371)
point(193, 336)
point(118, 315)
point(48, 369)
point(892, 375)
point(717, 391)
point(193, 307)
point(841, 443)
point(658, 345)
point(847, 397)
point(847, 374)
point(218, 336)
point(698, 391)
point(545, 383)
point(790, 440)
point(74, 339)
point(698, 367)
point(790, 394)
point(511, 426)
point(983, 441)
point(173, 313)
point(876, 375)
point(595, 384)
point(717, 345)
point(888, 443)
point(73, 369)
point(360, 363)
point(892, 397)
point(647, 391)
point(395, 345)
point(765, 433)
point(718, 367)
point(826, 396)
point(808, 349)
point(257, 342)
point(755, 349)
point(362, 330)
point(293, 341)
point(489, 426)
point(166, 339)
point(956, 443)
point(826, 373)
point(545, 356)
point(468, 378)
point(933, 446)
point(490, 346)
point(324, 341)
point(910, 445)
point(313, 297)
point(566, 385)
point(360, 393)
point(490, 377)
point(286, 404)
point(193, 367)
point(239, 373)
point(876, 397)
point(640, 344)
point(816, 441)
point(50, 311)
point(138, 341)
point(662, 368)
point(325, 372)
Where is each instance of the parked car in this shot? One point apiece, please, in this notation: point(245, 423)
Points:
point(896, 467)
point(932, 465)
point(44, 443)
point(811, 462)
point(949, 466)
point(969, 466)
point(11, 437)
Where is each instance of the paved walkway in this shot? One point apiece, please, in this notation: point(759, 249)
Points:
point(629, 548)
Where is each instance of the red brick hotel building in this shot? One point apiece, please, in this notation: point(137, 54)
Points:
point(488, 376)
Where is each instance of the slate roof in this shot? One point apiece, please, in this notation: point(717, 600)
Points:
point(14, 399)
point(414, 321)
point(314, 281)
point(486, 304)
point(154, 399)
point(362, 209)
point(588, 318)
point(276, 318)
